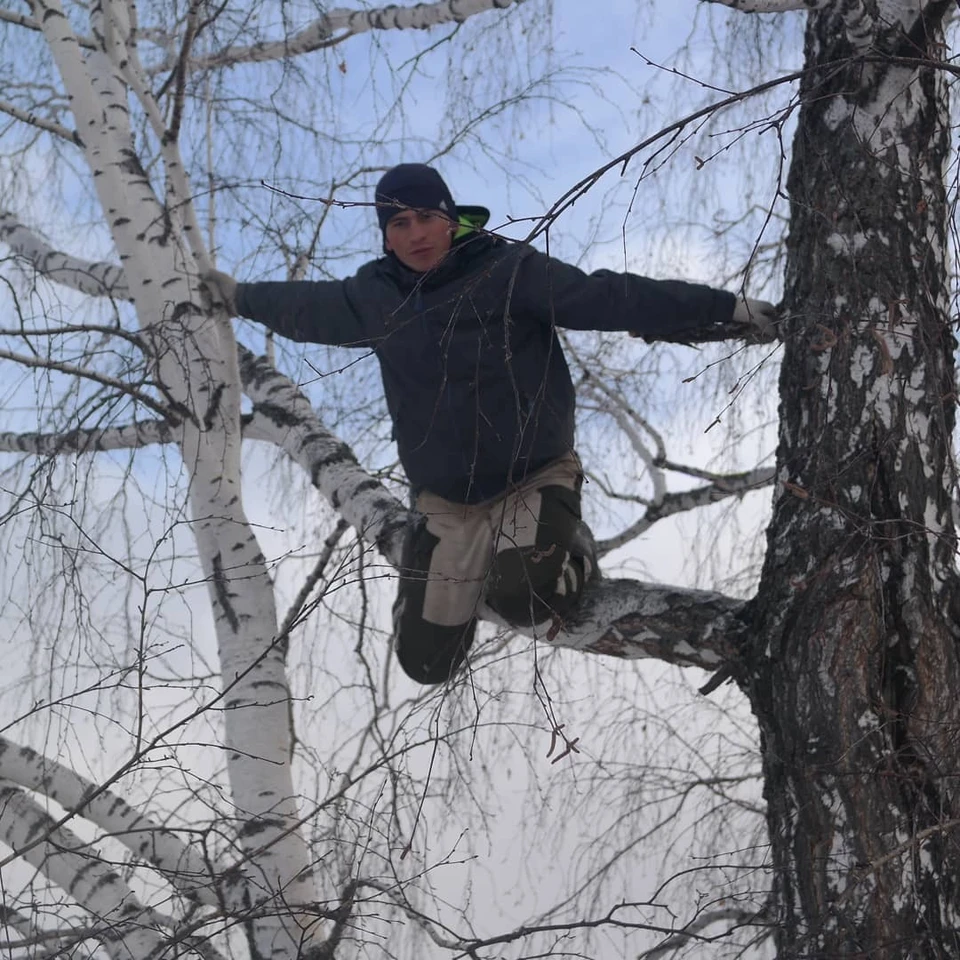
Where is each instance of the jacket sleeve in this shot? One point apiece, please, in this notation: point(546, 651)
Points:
point(324, 311)
point(564, 295)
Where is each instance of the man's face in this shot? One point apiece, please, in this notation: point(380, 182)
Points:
point(419, 238)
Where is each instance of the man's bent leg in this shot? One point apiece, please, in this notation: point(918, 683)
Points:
point(445, 557)
point(543, 556)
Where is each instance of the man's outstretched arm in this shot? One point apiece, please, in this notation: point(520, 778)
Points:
point(672, 310)
point(307, 311)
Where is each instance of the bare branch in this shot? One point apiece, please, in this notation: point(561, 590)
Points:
point(142, 433)
point(733, 915)
point(97, 279)
point(630, 422)
point(74, 866)
point(296, 610)
point(339, 25)
point(332, 466)
point(182, 866)
point(731, 485)
point(130, 389)
point(859, 19)
point(41, 123)
point(769, 6)
point(22, 20)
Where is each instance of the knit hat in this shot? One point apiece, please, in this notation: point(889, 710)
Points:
point(412, 185)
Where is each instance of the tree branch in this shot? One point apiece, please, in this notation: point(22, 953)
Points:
point(735, 915)
point(72, 370)
point(282, 411)
point(731, 485)
point(149, 841)
point(50, 126)
point(141, 433)
point(96, 279)
point(339, 25)
point(22, 20)
point(769, 6)
point(70, 863)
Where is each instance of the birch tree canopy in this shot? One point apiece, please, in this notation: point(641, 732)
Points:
point(207, 749)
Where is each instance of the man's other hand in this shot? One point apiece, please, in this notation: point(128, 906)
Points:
point(758, 318)
point(219, 289)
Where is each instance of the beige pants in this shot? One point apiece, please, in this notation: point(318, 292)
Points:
point(513, 550)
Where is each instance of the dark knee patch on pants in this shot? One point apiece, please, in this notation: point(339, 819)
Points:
point(524, 581)
point(429, 653)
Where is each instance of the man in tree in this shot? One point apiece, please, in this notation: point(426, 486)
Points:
point(464, 326)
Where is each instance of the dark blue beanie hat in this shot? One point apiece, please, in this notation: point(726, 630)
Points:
point(412, 185)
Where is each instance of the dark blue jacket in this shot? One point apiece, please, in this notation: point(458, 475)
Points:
point(474, 377)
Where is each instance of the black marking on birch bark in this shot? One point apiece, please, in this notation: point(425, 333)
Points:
point(51, 13)
point(131, 163)
point(390, 530)
point(341, 454)
point(184, 308)
point(91, 864)
point(214, 407)
point(106, 880)
point(277, 414)
point(364, 485)
point(222, 591)
point(253, 827)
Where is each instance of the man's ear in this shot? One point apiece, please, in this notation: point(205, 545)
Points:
point(387, 245)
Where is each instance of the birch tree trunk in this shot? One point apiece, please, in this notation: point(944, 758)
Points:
point(855, 681)
point(195, 362)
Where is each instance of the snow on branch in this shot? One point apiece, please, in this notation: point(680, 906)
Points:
point(339, 25)
point(96, 279)
point(184, 867)
point(635, 620)
point(74, 866)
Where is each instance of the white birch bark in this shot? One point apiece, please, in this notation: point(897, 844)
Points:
point(183, 866)
point(341, 24)
point(126, 928)
point(94, 278)
point(196, 363)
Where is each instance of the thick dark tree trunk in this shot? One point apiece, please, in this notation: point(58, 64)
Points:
point(856, 679)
